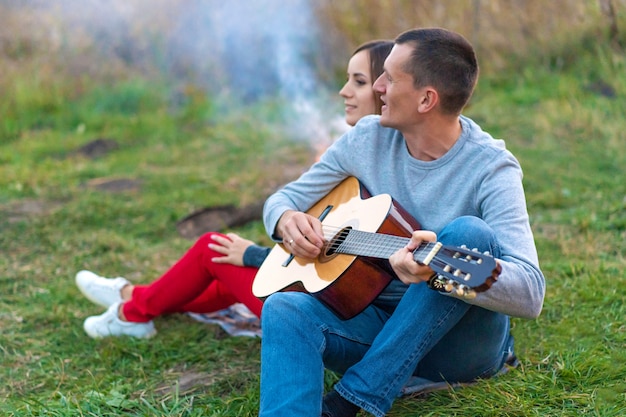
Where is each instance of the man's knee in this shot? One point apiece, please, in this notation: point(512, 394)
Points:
point(282, 304)
point(470, 231)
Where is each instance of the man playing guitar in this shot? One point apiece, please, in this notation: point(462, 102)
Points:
point(462, 187)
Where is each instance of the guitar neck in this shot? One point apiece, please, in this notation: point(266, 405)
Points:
point(375, 245)
point(458, 264)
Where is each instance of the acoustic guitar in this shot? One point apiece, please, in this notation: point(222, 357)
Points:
point(362, 231)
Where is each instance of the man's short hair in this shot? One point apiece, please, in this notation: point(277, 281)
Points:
point(444, 60)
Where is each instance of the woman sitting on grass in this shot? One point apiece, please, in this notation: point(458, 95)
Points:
point(218, 270)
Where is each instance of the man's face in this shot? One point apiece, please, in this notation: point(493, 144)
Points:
point(399, 96)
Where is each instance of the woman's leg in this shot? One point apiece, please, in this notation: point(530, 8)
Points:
point(195, 283)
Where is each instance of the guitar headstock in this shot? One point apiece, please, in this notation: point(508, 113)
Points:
point(463, 271)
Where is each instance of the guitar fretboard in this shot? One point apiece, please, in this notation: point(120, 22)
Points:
point(376, 245)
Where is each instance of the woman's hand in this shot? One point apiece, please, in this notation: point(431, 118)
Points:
point(232, 247)
point(404, 265)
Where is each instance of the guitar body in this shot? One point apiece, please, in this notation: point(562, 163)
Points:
point(347, 284)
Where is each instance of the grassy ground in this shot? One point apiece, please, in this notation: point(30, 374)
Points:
point(564, 120)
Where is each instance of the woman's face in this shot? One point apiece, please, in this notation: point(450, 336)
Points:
point(357, 92)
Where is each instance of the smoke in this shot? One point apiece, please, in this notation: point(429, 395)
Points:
point(255, 48)
point(240, 52)
point(248, 51)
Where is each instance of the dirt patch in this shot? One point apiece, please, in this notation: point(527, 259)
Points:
point(218, 218)
point(190, 380)
point(186, 382)
point(602, 88)
point(24, 209)
point(97, 148)
point(114, 185)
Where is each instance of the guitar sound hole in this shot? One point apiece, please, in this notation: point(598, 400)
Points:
point(331, 249)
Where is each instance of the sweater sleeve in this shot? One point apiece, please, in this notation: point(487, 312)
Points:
point(255, 255)
point(520, 288)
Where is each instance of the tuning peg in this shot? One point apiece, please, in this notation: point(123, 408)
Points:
point(440, 283)
point(470, 295)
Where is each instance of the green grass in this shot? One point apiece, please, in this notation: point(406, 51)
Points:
point(187, 154)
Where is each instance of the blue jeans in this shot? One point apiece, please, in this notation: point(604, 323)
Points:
point(428, 335)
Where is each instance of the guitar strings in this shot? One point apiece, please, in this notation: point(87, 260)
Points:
point(338, 236)
point(368, 243)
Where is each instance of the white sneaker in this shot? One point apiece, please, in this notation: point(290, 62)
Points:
point(109, 324)
point(100, 290)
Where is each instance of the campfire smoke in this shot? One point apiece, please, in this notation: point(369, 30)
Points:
point(240, 52)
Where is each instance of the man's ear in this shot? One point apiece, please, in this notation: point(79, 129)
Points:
point(428, 100)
